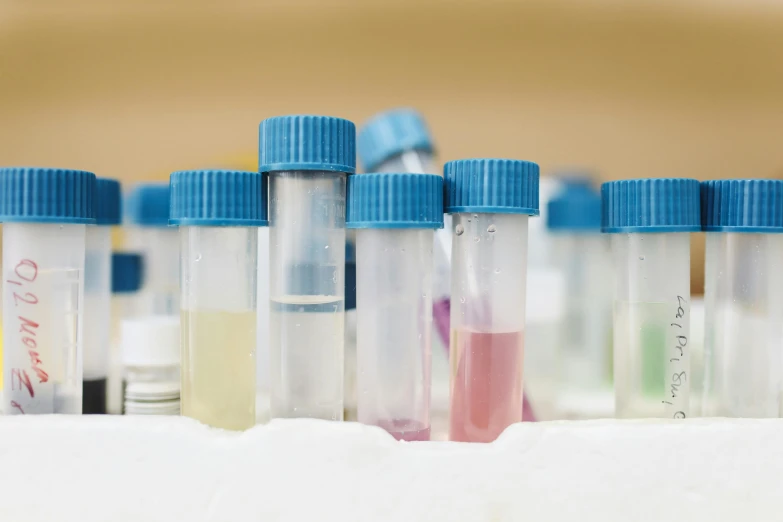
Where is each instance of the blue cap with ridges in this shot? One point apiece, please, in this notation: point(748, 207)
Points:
point(108, 202)
point(218, 198)
point(46, 195)
point(742, 205)
point(148, 205)
point(499, 186)
point(391, 133)
point(650, 205)
point(304, 142)
point(127, 272)
point(395, 201)
point(577, 208)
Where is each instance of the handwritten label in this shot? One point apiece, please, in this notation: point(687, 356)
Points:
point(677, 399)
point(28, 380)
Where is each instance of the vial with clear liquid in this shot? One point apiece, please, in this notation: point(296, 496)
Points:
point(743, 298)
point(308, 159)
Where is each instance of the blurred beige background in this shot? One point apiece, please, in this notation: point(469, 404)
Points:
point(645, 88)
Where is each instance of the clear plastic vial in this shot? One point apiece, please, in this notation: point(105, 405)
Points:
point(218, 213)
point(148, 232)
point(490, 201)
point(45, 213)
point(308, 159)
point(151, 368)
point(743, 298)
point(581, 254)
point(395, 216)
point(399, 140)
point(127, 269)
point(650, 221)
point(97, 296)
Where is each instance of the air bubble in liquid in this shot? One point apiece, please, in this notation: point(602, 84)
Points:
point(459, 230)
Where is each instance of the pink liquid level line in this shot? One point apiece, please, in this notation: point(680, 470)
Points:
point(406, 429)
point(486, 395)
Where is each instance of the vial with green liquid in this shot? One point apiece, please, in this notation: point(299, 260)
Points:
point(650, 221)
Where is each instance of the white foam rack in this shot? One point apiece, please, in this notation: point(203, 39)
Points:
point(107, 468)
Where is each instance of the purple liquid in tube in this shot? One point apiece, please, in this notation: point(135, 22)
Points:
point(406, 430)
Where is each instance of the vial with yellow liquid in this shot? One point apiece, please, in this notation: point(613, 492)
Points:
point(218, 213)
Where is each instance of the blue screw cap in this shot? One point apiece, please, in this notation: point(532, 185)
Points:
point(127, 272)
point(108, 202)
point(577, 208)
point(650, 205)
point(218, 198)
point(46, 195)
point(302, 142)
point(501, 186)
point(742, 205)
point(395, 201)
point(148, 205)
point(391, 133)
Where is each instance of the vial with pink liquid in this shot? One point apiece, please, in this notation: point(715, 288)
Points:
point(395, 217)
point(490, 201)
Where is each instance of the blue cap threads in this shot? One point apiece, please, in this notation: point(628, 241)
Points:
point(304, 142)
point(148, 205)
point(395, 201)
point(577, 208)
point(499, 186)
point(46, 195)
point(391, 133)
point(742, 205)
point(650, 205)
point(108, 202)
point(218, 198)
point(127, 272)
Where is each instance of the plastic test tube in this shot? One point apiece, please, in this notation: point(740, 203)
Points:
point(149, 233)
point(399, 140)
point(396, 216)
point(308, 159)
point(127, 272)
point(582, 254)
point(650, 221)
point(490, 201)
point(218, 213)
point(97, 296)
point(45, 213)
point(743, 294)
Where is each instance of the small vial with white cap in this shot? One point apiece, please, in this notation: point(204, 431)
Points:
point(45, 213)
point(650, 221)
point(97, 296)
point(490, 201)
point(743, 298)
point(395, 216)
point(127, 273)
point(151, 365)
point(148, 232)
point(218, 213)
point(309, 159)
